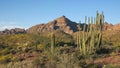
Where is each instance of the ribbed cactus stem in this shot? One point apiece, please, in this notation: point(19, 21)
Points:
point(77, 39)
point(84, 38)
point(83, 44)
point(92, 38)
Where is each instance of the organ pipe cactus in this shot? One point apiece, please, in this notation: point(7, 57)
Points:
point(91, 35)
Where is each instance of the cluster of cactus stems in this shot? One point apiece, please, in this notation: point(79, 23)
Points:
point(91, 38)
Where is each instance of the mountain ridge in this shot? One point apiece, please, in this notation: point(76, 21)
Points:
point(62, 23)
point(66, 25)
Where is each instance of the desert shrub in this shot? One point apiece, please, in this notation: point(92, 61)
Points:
point(41, 47)
point(13, 51)
point(5, 51)
point(117, 48)
point(103, 51)
point(36, 61)
point(39, 62)
point(111, 66)
point(5, 59)
point(16, 59)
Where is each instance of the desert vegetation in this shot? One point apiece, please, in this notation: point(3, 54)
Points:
point(90, 47)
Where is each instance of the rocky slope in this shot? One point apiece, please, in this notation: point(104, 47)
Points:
point(67, 26)
point(12, 31)
point(61, 23)
point(116, 27)
point(111, 27)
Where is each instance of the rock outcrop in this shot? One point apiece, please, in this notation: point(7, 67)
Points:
point(110, 27)
point(13, 31)
point(62, 23)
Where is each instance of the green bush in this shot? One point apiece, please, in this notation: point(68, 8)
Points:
point(5, 59)
point(38, 63)
point(5, 51)
point(111, 66)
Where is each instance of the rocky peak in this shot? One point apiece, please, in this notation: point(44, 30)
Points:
point(62, 20)
point(62, 23)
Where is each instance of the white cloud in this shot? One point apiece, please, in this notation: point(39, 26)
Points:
point(8, 25)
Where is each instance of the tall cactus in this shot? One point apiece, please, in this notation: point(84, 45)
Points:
point(84, 38)
point(52, 49)
point(99, 23)
point(92, 34)
point(77, 38)
point(78, 35)
point(52, 43)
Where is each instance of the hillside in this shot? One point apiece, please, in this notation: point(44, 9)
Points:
point(110, 27)
point(61, 43)
point(61, 23)
point(13, 31)
point(67, 26)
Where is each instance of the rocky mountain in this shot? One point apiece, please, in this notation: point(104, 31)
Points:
point(64, 24)
point(107, 26)
point(110, 27)
point(116, 27)
point(13, 31)
point(61, 23)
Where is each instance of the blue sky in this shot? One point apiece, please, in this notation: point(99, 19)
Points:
point(26, 13)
